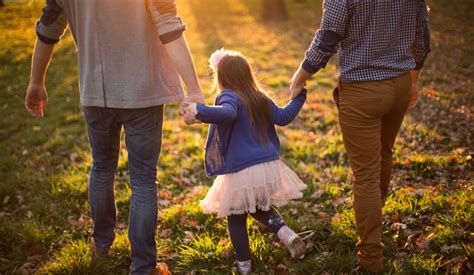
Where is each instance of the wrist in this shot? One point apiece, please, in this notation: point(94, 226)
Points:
point(36, 82)
point(301, 76)
point(196, 96)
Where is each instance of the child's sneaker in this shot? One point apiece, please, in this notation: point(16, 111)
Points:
point(244, 267)
point(292, 241)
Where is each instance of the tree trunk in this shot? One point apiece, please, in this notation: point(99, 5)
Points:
point(1, 3)
point(274, 10)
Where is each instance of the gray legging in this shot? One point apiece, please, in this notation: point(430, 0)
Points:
point(237, 225)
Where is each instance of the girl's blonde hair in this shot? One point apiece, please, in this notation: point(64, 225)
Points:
point(234, 73)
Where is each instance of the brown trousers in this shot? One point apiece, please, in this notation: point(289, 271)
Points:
point(370, 116)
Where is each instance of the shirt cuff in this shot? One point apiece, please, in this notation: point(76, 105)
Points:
point(302, 96)
point(303, 93)
point(46, 40)
point(173, 35)
point(419, 65)
point(309, 68)
point(201, 110)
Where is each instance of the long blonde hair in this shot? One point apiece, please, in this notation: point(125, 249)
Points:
point(234, 73)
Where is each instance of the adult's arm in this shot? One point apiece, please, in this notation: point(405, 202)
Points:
point(420, 49)
point(170, 29)
point(49, 30)
point(325, 43)
point(180, 54)
point(421, 45)
point(36, 99)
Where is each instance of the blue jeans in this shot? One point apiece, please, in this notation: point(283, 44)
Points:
point(143, 130)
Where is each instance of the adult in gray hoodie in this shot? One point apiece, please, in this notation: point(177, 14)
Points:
point(132, 56)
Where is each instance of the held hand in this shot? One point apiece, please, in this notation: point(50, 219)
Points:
point(296, 88)
point(190, 114)
point(414, 97)
point(188, 100)
point(36, 100)
point(298, 81)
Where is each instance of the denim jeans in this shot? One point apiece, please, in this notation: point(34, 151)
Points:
point(143, 130)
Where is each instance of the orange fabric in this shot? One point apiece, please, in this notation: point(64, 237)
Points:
point(370, 116)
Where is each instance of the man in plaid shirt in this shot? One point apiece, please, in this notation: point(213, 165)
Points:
point(382, 47)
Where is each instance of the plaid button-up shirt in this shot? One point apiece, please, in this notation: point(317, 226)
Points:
point(376, 39)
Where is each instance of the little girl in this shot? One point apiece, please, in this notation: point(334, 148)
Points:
point(243, 150)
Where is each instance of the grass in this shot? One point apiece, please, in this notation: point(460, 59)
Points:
point(44, 217)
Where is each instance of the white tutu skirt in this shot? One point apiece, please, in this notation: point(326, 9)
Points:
point(257, 187)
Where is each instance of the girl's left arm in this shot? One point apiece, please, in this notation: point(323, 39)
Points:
point(225, 111)
point(284, 116)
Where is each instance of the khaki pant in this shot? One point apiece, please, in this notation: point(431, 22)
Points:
point(370, 115)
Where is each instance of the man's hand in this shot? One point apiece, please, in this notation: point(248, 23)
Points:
point(298, 81)
point(414, 97)
point(188, 100)
point(296, 88)
point(190, 114)
point(415, 76)
point(36, 100)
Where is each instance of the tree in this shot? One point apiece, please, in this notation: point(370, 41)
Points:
point(1, 3)
point(274, 10)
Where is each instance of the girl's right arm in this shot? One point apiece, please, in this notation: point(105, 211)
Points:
point(225, 111)
point(284, 116)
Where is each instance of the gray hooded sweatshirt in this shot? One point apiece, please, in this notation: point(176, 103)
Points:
point(122, 60)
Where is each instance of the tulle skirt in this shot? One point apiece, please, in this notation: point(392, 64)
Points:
point(257, 187)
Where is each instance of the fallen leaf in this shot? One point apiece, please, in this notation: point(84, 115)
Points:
point(165, 195)
point(163, 269)
point(423, 244)
point(6, 199)
point(318, 194)
point(166, 233)
point(398, 226)
point(20, 199)
point(224, 241)
point(189, 236)
point(164, 203)
point(73, 157)
point(447, 248)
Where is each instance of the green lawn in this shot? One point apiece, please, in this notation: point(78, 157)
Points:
point(429, 218)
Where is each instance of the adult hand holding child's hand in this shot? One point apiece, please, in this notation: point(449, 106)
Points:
point(198, 97)
point(190, 112)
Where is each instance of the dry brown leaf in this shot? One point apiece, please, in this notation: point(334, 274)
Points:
point(6, 200)
point(166, 233)
point(318, 194)
point(20, 199)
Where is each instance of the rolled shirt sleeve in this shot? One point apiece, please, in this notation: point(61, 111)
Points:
point(165, 16)
point(421, 45)
point(329, 35)
point(52, 23)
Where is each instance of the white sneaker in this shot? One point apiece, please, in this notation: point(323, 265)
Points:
point(244, 267)
point(292, 241)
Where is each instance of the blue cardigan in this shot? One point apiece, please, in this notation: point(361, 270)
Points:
point(232, 144)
